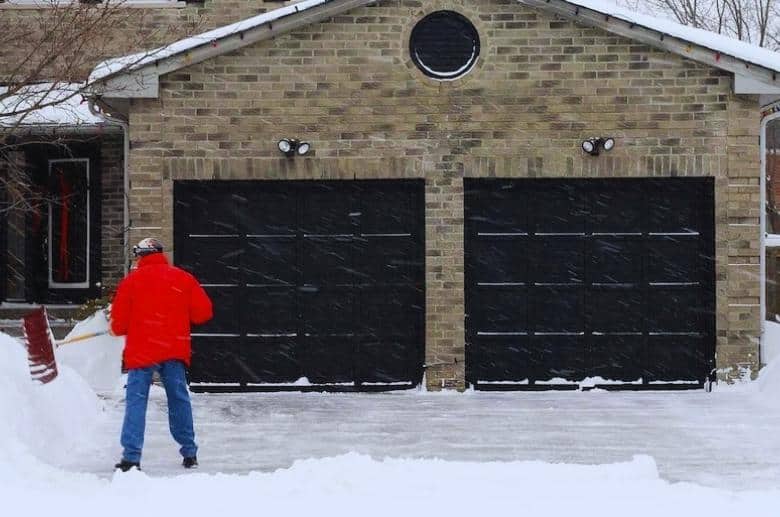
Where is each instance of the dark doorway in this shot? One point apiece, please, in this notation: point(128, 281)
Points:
point(52, 242)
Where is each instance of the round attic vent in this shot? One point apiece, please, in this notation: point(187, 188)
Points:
point(444, 45)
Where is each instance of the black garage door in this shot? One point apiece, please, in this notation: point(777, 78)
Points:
point(314, 283)
point(589, 279)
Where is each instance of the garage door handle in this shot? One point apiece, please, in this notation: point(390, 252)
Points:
point(309, 289)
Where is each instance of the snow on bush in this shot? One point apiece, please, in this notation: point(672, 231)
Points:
point(47, 421)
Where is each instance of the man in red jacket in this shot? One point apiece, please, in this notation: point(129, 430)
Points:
point(154, 306)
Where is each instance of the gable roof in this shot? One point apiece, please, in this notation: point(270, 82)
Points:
point(137, 75)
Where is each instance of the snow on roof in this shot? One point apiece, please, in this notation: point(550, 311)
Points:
point(59, 104)
point(716, 42)
point(138, 60)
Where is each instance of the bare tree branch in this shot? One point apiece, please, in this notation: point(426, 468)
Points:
point(44, 81)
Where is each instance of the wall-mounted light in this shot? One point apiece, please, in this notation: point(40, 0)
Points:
point(292, 146)
point(594, 146)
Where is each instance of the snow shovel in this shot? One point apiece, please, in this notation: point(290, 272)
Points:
point(41, 344)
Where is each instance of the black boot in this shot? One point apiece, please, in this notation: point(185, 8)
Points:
point(190, 463)
point(125, 465)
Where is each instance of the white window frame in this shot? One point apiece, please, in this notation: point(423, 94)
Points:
point(70, 285)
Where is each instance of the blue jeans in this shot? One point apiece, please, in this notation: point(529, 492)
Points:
point(179, 409)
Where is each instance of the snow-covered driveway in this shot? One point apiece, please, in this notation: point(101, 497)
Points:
point(725, 439)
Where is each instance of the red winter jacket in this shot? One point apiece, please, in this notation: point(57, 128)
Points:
point(154, 306)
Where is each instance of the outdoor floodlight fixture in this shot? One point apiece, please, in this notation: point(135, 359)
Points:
point(594, 146)
point(292, 146)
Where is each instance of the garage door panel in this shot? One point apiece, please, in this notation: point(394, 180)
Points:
point(558, 260)
point(611, 263)
point(557, 309)
point(226, 302)
point(675, 358)
point(268, 213)
point(560, 357)
point(327, 210)
point(500, 260)
point(615, 261)
point(673, 210)
point(328, 310)
point(218, 360)
point(498, 309)
point(616, 209)
point(287, 270)
point(273, 360)
point(387, 210)
point(558, 208)
point(501, 359)
point(211, 260)
point(210, 211)
point(386, 361)
point(616, 310)
point(499, 211)
point(328, 260)
point(270, 310)
point(618, 358)
point(674, 310)
point(388, 260)
point(391, 311)
point(268, 261)
point(323, 359)
point(673, 261)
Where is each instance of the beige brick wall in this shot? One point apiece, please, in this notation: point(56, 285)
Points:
point(112, 208)
point(541, 86)
point(131, 29)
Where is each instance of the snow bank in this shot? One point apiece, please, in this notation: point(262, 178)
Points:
point(97, 360)
point(358, 485)
point(47, 421)
point(770, 343)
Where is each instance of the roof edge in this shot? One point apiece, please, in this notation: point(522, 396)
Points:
point(139, 78)
point(615, 24)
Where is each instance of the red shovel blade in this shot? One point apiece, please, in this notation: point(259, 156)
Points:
point(40, 349)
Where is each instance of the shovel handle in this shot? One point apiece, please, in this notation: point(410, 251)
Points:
point(81, 337)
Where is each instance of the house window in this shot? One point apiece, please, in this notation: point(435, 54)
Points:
point(69, 224)
point(444, 45)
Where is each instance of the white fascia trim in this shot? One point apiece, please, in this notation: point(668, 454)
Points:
point(140, 79)
point(772, 114)
point(714, 57)
point(749, 86)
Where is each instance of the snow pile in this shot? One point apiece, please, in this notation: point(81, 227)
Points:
point(358, 485)
point(769, 383)
point(770, 344)
point(46, 421)
point(98, 360)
